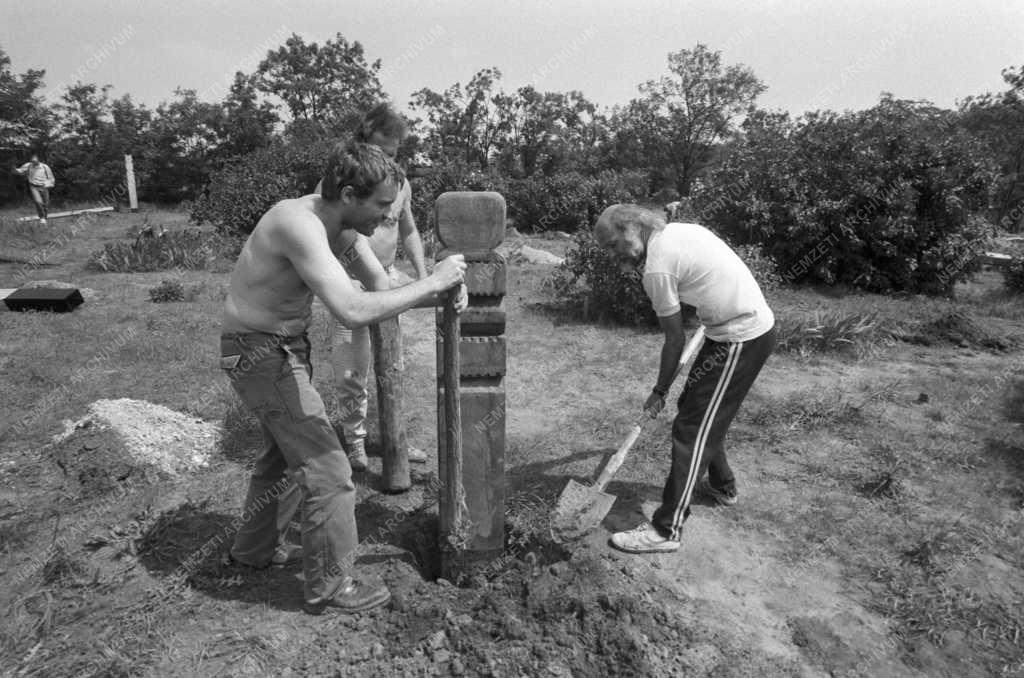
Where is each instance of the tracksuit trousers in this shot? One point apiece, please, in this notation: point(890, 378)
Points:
point(718, 381)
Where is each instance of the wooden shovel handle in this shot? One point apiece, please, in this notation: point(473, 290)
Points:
point(620, 454)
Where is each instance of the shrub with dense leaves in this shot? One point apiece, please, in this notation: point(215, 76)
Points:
point(881, 199)
point(590, 281)
point(240, 193)
point(172, 290)
point(568, 201)
point(762, 266)
point(1013, 276)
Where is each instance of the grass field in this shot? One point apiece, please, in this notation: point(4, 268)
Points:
point(879, 529)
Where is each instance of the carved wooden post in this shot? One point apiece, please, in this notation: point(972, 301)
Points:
point(386, 339)
point(471, 361)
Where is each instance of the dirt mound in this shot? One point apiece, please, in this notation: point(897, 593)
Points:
point(963, 330)
point(122, 439)
point(578, 617)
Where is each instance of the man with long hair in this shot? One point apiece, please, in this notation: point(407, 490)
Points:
point(688, 264)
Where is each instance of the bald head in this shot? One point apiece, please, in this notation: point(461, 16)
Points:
point(624, 230)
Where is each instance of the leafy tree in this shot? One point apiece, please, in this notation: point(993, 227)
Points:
point(541, 130)
point(998, 121)
point(674, 125)
point(181, 144)
point(248, 123)
point(78, 151)
point(326, 88)
point(464, 123)
point(24, 122)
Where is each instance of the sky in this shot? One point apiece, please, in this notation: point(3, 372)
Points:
point(811, 54)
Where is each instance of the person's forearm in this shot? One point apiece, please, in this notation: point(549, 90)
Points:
point(367, 308)
point(671, 352)
point(413, 246)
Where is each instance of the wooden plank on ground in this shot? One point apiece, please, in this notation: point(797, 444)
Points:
point(72, 213)
point(996, 259)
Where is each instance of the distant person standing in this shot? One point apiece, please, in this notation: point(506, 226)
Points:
point(40, 181)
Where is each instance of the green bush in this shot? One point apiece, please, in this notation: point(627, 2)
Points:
point(568, 201)
point(1013, 276)
point(240, 193)
point(160, 250)
point(762, 266)
point(881, 199)
point(172, 290)
point(592, 283)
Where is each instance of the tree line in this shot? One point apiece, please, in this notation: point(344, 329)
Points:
point(696, 133)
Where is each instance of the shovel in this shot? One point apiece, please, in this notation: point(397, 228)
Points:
point(581, 508)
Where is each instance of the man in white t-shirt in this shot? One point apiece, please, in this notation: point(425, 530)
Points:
point(688, 264)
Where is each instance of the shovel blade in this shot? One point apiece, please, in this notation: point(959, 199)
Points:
point(580, 508)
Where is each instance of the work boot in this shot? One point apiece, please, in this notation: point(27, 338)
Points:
point(357, 458)
point(643, 538)
point(352, 596)
point(284, 555)
point(417, 456)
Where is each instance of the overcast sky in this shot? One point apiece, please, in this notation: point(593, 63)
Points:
point(811, 54)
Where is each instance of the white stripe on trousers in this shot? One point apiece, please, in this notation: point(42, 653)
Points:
point(703, 432)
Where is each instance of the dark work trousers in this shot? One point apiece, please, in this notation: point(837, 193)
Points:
point(718, 381)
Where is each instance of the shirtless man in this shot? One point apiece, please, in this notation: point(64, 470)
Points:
point(292, 255)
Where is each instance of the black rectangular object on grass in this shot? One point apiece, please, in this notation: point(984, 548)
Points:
point(59, 300)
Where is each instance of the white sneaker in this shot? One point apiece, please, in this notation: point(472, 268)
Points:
point(643, 539)
point(42, 222)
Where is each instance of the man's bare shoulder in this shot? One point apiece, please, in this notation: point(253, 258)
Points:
point(292, 221)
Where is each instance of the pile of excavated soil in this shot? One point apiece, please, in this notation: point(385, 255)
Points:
point(962, 330)
point(124, 438)
point(578, 617)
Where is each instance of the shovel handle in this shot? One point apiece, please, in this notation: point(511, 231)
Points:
point(620, 454)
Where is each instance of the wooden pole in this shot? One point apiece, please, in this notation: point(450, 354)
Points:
point(72, 213)
point(386, 339)
point(452, 513)
point(129, 171)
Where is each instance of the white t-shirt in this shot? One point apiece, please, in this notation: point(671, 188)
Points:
point(690, 264)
